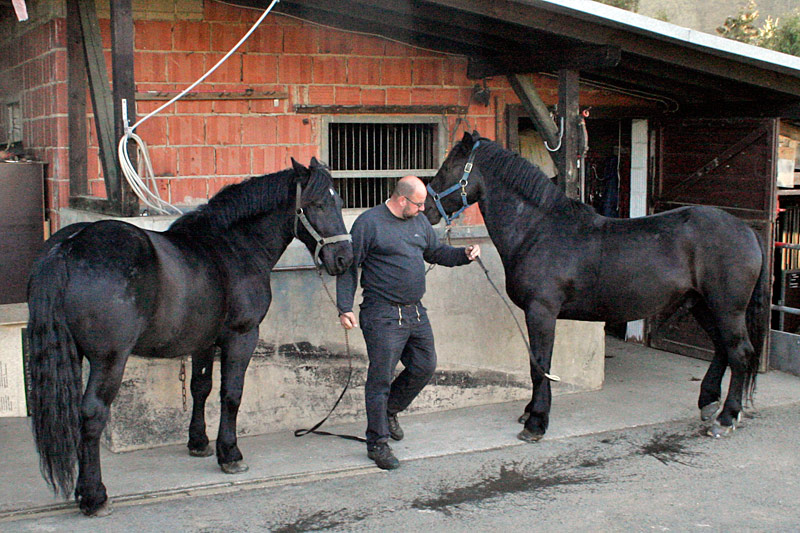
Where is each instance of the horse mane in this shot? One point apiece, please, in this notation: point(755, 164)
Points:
point(525, 178)
point(253, 197)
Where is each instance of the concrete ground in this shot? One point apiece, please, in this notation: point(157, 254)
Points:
point(642, 386)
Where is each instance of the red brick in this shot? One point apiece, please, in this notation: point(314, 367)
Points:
point(164, 160)
point(223, 130)
point(363, 71)
point(269, 159)
point(186, 130)
point(329, 69)
point(152, 35)
point(105, 32)
point(97, 188)
point(225, 36)
point(185, 67)
point(293, 129)
point(427, 71)
point(187, 191)
point(153, 131)
point(193, 107)
point(150, 67)
point(261, 68)
point(303, 153)
point(217, 11)
point(217, 184)
point(393, 48)
point(259, 130)
point(60, 66)
point(191, 36)
point(59, 33)
point(398, 96)
point(237, 107)
point(267, 39)
point(300, 40)
point(423, 96)
point(335, 42)
point(268, 106)
point(228, 72)
point(348, 96)
point(368, 46)
point(294, 69)
point(397, 72)
point(232, 161)
point(196, 161)
point(92, 164)
point(373, 96)
point(454, 71)
point(472, 216)
point(321, 95)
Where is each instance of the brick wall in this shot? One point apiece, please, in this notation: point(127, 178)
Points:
point(34, 74)
point(197, 147)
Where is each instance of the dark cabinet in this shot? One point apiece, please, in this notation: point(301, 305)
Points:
point(21, 226)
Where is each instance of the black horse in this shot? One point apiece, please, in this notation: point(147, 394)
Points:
point(563, 260)
point(109, 289)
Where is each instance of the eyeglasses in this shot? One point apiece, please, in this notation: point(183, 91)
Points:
point(419, 205)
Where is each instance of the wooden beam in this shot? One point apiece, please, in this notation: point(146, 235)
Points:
point(536, 109)
point(566, 160)
point(124, 91)
point(76, 96)
point(381, 109)
point(101, 97)
point(573, 58)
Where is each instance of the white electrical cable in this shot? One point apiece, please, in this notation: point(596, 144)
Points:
point(139, 187)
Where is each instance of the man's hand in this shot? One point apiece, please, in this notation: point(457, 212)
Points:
point(348, 320)
point(472, 251)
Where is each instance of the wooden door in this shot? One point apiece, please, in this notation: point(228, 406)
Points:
point(726, 163)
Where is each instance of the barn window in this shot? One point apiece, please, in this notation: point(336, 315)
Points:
point(367, 155)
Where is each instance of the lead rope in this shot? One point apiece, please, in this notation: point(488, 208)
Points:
point(534, 362)
point(182, 379)
point(314, 429)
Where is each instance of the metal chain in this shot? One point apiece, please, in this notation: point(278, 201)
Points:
point(182, 379)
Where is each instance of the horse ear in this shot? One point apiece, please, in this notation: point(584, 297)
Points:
point(299, 169)
point(467, 140)
point(314, 163)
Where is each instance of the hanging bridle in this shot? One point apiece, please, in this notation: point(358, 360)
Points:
point(321, 241)
point(462, 184)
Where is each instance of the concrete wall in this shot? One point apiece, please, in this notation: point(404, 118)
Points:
point(300, 366)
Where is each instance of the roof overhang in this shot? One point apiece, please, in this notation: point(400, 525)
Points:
point(700, 73)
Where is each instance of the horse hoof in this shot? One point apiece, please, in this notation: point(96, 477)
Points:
point(205, 452)
point(236, 467)
point(524, 418)
point(718, 430)
point(708, 411)
point(527, 435)
point(103, 510)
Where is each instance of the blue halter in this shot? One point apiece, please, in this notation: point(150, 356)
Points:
point(462, 184)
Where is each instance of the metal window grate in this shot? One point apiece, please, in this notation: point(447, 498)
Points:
point(367, 158)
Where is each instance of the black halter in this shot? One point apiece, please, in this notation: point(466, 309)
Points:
point(321, 241)
point(462, 183)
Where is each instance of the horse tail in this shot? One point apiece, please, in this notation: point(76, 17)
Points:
point(756, 322)
point(55, 368)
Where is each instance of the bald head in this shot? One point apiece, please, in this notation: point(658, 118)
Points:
point(408, 197)
point(409, 186)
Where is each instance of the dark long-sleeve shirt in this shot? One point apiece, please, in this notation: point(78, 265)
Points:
point(392, 253)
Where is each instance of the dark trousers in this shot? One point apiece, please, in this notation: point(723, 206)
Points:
point(394, 333)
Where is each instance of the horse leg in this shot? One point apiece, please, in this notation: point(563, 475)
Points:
point(104, 381)
point(739, 349)
point(236, 352)
point(202, 365)
point(541, 334)
point(711, 386)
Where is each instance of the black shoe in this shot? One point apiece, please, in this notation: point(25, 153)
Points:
point(395, 431)
point(383, 457)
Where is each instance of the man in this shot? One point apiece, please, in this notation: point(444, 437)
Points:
point(391, 244)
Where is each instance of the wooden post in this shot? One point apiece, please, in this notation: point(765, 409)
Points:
point(568, 108)
point(536, 109)
point(124, 88)
point(76, 96)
